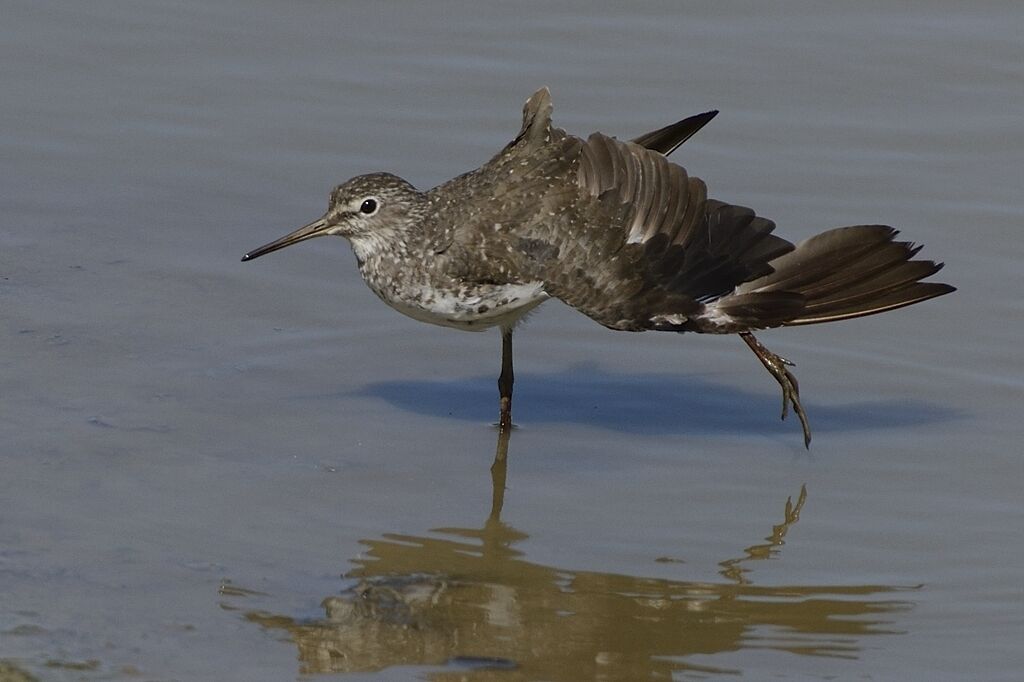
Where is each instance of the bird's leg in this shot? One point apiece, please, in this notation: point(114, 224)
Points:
point(500, 466)
point(777, 366)
point(505, 381)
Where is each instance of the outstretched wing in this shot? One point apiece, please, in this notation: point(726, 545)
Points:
point(610, 227)
point(666, 140)
point(618, 232)
point(683, 248)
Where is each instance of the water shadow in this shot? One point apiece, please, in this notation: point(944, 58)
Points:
point(646, 403)
point(468, 605)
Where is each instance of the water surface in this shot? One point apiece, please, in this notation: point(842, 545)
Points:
point(212, 470)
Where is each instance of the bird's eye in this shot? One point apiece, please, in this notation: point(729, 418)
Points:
point(369, 207)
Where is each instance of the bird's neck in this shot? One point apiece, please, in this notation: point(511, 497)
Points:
point(384, 257)
point(397, 242)
point(380, 247)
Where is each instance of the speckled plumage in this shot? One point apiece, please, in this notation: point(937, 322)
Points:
point(616, 231)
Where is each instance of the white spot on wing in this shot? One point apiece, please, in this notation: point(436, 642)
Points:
point(669, 319)
point(712, 315)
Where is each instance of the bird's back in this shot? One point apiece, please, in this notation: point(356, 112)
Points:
point(593, 220)
point(630, 239)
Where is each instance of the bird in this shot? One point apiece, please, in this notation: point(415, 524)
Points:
point(615, 230)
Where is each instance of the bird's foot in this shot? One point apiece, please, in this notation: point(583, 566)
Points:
point(505, 415)
point(778, 366)
point(504, 425)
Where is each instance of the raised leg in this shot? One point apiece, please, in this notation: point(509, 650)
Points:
point(777, 366)
point(505, 381)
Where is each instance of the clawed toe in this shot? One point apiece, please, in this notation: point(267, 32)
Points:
point(777, 366)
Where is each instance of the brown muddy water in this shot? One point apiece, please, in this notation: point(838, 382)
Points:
point(218, 471)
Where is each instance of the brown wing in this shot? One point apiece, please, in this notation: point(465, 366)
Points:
point(631, 240)
point(725, 258)
point(681, 244)
point(666, 140)
point(611, 228)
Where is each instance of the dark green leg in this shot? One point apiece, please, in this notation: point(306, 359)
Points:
point(500, 466)
point(505, 381)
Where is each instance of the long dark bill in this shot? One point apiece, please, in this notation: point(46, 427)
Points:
point(314, 229)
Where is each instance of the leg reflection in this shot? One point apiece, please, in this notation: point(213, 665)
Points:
point(499, 471)
point(734, 569)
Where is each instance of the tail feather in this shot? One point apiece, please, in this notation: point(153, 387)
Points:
point(878, 303)
point(839, 274)
point(886, 262)
point(815, 259)
point(892, 279)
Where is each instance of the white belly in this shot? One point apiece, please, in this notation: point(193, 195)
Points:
point(471, 309)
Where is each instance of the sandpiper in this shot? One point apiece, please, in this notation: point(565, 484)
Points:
point(616, 231)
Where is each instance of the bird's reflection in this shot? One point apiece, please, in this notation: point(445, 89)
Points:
point(469, 601)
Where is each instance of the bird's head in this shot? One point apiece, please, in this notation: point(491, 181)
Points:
point(368, 210)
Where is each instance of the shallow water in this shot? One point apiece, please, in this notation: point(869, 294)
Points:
point(213, 470)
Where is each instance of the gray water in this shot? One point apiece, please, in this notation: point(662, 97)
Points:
point(196, 453)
